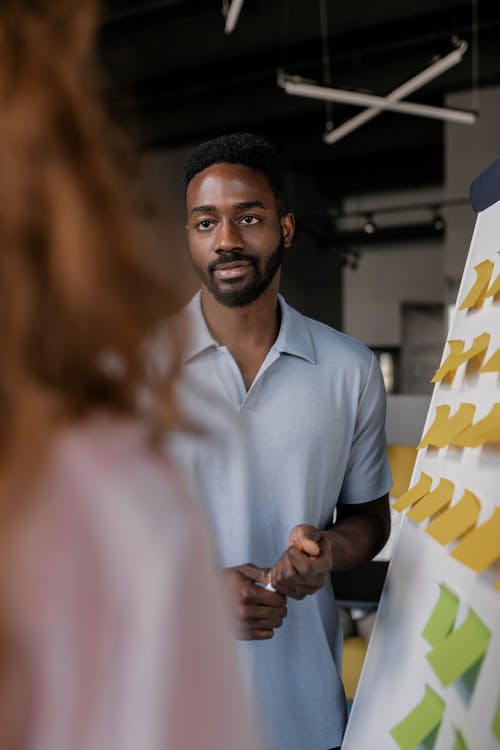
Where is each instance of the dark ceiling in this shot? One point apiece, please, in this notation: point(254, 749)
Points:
point(178, 78)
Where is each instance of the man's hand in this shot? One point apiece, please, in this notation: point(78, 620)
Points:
point(305, 566)
point(256, 611)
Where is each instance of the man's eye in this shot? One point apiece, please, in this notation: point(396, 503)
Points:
point(248, 219)
point(204, 224)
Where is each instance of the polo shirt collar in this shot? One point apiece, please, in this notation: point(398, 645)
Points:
point(293, 338)
point(200, 337)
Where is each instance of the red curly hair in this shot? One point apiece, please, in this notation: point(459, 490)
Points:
point(75, 279)
point(79, 291)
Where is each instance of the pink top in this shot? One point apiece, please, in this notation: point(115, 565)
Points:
point(118, 608)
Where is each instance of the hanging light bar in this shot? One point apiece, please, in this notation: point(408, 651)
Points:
point(407, 88)
point(434, 70)
point(232, 15)
point(299, 87)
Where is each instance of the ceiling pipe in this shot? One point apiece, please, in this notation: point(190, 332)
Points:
point(376, 104)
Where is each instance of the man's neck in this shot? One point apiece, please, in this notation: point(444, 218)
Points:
point(248, 332)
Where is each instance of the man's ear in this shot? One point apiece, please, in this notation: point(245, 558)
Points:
point(287, 228)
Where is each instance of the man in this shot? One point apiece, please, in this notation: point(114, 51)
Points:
point(310, 405)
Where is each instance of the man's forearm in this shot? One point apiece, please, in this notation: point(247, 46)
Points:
point(355, 539)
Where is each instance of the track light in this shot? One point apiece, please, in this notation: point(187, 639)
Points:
point(369, 227)
point(438, 222)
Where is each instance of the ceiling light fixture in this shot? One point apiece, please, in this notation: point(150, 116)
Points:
point(438, 222)
point(232, 13)
point(298, 86)
point(405, 89)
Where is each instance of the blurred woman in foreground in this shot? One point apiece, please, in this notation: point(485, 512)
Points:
point(111, 630)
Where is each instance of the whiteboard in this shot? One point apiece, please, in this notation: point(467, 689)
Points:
point(396, 669)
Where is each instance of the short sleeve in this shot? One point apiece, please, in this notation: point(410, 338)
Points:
point(368, 476)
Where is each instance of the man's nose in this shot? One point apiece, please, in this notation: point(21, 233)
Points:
point(228, 237)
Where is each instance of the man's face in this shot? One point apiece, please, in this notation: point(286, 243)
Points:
point(236, 236)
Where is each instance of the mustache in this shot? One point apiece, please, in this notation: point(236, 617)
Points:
point(231, 257)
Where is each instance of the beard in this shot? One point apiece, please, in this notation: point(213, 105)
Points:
point(239, 293)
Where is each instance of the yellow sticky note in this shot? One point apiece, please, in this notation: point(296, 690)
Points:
point(455, 521)
point(497, 587)
point(452, 361)
point(487, 430)
point(493, 364)
point(480, 547)
point(418, 490)
point(494, 289)
point(433, 503)
point(435, 431)
point(445, 428)
point(477, 292)
point(475, 354)
point(457, 355)
point(401, 462)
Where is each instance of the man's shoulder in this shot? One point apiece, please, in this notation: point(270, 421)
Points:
point(330, 343)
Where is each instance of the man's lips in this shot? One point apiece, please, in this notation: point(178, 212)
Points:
point(231, 270)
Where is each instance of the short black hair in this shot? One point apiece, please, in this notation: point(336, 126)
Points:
point(238, 148)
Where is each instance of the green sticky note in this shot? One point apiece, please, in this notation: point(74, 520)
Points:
point(424, 719)
point(495, 727)
point(442, 619)
point(461, 650)
point(459, 743)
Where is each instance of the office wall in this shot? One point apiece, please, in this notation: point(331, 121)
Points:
point(385, 278)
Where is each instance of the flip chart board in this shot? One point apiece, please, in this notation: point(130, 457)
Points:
point(431, 677)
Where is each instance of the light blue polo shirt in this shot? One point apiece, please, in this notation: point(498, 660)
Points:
point(307, 434)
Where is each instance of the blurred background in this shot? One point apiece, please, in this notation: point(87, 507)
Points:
point(383, 216)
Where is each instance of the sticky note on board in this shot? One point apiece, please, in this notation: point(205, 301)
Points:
point(461, 650)
point(474, 355)
point(441, 622)
point(478, 290)
point(492, 364)
point(418, 490)
point(495, 727)
point(433, 502)
point(401, 461)
point(455, 521)
point(422, 721)
point(452, 361)
point(459, 743)
point(494, 289)
point(458, 355)
point(444, 428)
point(480, 547)
point(486, 430)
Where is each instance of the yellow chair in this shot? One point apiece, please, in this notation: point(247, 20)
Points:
point(352, 663)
